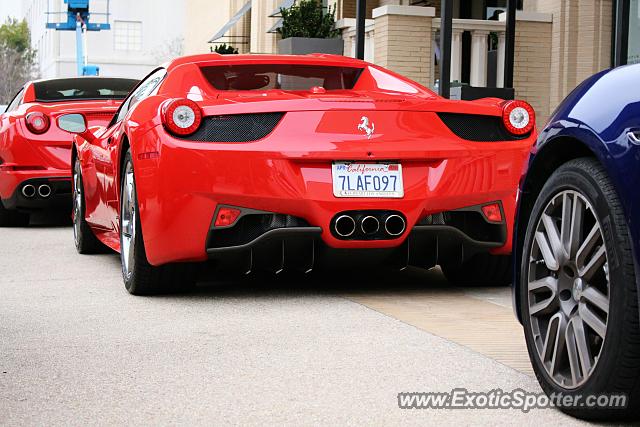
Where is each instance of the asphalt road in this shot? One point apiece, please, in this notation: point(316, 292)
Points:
point(76, 349)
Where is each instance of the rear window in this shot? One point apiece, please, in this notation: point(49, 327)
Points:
point(83, 88)
point(281, 76)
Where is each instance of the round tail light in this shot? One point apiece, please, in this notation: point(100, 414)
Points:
point(518, 117)
point(181, 117)
point(37, 122)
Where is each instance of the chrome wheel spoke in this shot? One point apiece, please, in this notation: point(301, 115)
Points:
point(547, 253)
point(588, 244)
point(77, 206)
point(554, 343)
point(597, 261)
point(553, 236)
point(565, 220)
point(597, 298)
point(578, 352)
point(592, 320)
point(128, 222)
point(548, 285)
point(574, 234)
point(572, 355)
point(583, 347)
point(126, 228)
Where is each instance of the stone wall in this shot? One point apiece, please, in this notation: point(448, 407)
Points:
point(532, 65)
point(580, 41)
point(403, 41)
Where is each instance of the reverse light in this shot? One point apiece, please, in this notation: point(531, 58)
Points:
point(492, 212)
point(181, 117)
point(226, 217)
point(37, 122)
point(518, 117)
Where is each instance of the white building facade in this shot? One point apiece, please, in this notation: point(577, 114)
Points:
point(143, 34)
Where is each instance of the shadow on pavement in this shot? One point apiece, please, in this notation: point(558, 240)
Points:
point(323, 283)
point(327, 281)
point(50, 219)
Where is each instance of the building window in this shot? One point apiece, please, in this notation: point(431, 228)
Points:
point(127, 35)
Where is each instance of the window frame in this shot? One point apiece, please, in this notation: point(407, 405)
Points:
point(117, 34)
point(18, 97)
point(124, 108)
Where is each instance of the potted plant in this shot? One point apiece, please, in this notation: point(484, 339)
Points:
point(307, 29)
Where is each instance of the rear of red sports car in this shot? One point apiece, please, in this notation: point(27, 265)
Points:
point(35, 154)
point(279, 162)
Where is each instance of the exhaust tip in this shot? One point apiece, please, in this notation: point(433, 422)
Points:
point(369, 225)
point(28, 191)
point(44, 190)
point(344, 226)
point(395, 225)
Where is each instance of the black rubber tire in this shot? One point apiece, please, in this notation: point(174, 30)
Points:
point(10, 218)
point(618, 369)
point(145, 278)
point(481, 270)
point(85, 240)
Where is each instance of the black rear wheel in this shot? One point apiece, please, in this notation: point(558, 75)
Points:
point(140, 277)
point(86, 242)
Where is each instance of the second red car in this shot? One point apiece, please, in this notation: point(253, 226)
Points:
point(34, 153)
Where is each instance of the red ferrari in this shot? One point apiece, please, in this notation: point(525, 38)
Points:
point(34, 155)
point(283, 162)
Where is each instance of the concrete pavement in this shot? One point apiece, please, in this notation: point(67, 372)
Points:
point(76, 349)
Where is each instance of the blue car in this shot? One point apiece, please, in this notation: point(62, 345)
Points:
point(577, 246)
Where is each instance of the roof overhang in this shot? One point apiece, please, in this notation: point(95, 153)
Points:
point(233, 21)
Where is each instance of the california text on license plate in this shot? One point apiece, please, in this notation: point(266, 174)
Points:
point(367, 180)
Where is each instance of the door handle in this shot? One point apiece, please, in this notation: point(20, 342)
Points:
point(634, 137)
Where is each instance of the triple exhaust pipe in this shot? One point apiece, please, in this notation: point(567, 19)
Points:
point(346, 225)
point(30, 191)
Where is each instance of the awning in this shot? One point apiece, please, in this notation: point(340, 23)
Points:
point(233, 21)
point(286, 4)
point(275, 27)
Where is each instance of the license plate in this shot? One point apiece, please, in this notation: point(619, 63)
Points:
point(367, 180)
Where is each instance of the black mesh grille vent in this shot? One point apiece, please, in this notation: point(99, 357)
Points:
point(250, 227)
point(236, 127)
point(474, 127)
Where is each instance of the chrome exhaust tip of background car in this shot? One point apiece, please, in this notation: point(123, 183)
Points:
point(29, 191)
point(345, 226)
point(394, 225)
point(44, 191)
point(369, 225)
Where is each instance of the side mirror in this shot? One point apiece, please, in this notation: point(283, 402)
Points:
point(73, 123)
point(77, 124)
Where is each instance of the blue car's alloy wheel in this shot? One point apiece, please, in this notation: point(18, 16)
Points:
point(568, 288)
point(578, 291)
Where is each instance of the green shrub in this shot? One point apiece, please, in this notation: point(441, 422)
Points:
point(224, 49)
point(307, 19)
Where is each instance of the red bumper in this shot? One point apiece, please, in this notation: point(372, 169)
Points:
point(37, 159)
point(179, 190)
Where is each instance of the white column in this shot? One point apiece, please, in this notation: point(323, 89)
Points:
point(479, 49)
point(501, 50)
point(456, 55)
point(369, 46)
